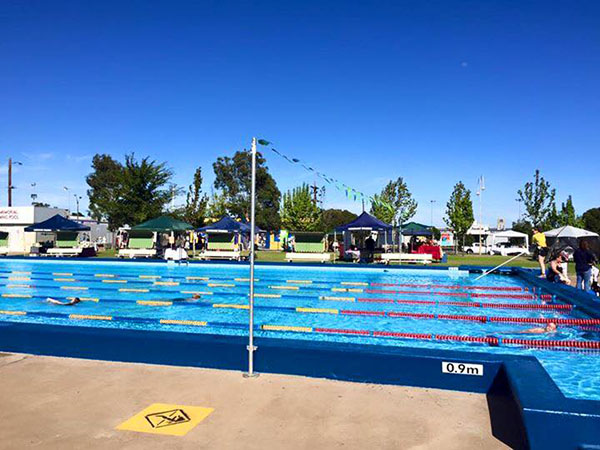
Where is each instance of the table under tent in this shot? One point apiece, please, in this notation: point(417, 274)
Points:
point(145, 239)
point(412, 238)
point(307, 246)
point(356, 232)
point(227, 239)
point(67, 237)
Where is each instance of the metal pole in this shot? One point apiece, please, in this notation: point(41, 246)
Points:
point(251, 347)
point(9, 182)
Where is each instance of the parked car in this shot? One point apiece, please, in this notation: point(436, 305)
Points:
point(506, 249)
point(474, 249)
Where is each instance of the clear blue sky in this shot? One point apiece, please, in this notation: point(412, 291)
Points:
point(435, 92)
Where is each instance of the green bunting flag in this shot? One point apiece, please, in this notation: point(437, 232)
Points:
point(348, 191)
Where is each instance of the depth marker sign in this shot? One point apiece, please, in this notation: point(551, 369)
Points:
point(162, 418)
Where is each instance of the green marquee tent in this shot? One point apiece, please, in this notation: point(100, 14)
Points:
point(163, 224)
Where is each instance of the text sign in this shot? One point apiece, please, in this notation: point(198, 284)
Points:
point(459, 368)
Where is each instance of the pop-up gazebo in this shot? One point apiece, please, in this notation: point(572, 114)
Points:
point(568, 238)
point(67, 232)
point(367, 223)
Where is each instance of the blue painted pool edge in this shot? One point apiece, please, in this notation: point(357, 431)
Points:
point(526, 407)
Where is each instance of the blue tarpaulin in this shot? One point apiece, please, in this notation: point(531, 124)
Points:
point(57, 223)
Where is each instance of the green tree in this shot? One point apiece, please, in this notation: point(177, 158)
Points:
point(128, 193)
point(459, 211)
point(591, 220)
point(394, 204)
point(333, 218)
point(568, 215)
point(233, 179)
point(217, 206)
point(196, 202)
point(299, 211)
point(538, 199)
point(553, 219)
point(105, 185)
point(523, 226)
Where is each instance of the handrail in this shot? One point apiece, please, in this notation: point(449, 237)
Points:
point(499, 265)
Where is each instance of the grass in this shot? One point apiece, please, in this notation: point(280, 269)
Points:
point(109, 253)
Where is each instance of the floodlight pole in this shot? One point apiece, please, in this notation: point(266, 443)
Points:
point(251, 347)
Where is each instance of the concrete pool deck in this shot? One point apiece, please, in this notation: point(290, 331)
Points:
point(57, 403)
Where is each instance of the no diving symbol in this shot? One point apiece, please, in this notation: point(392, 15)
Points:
point(167, 418)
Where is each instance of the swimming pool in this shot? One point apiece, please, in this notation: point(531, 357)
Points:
point(418, 308)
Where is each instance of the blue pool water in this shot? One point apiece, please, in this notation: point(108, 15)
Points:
point(312, 303)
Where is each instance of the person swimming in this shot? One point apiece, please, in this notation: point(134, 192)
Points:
point(71, 302)
point(191, 299)
point(549, 328)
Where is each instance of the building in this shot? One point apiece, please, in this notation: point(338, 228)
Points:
point(99, 232)
point(14, 220)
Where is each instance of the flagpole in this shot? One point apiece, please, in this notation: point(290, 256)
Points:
point(251, 347)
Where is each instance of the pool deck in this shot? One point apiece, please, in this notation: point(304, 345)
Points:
point(57, 403)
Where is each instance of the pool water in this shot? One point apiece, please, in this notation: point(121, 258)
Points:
point(408, 308)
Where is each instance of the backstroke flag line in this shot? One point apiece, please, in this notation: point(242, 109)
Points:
point(350, 192)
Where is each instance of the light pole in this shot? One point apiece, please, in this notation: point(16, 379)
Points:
point(480, 195)
point(66, 189)
point(251, 347)
point(10, 185)
point(519, 202)
point(77, 198)
point(432, 202)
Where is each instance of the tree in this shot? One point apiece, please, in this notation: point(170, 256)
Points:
point(568, 215)
point(333, 218)
point(128, 193)
point(196, 202)
point(299, 211)
point(553, 219)
point(217, 206)
point(459, 211)
point(538, 199)
point(395, 203)
point(104, 183)
point(233, 179)
point(591, 220)
point(523, 226)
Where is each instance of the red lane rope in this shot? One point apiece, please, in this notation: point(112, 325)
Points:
point(455, 286)
point(342, 331)
point(552, 307)
point(491, 340)
point(482, 319)
point(402, 335)
point(453, 294)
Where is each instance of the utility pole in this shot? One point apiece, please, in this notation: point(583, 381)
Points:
point(10, 185)
point(315, 191)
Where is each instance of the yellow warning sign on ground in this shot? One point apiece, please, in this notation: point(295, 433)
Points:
point(163, 418)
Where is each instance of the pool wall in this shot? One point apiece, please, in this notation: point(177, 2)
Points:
point(527, 409)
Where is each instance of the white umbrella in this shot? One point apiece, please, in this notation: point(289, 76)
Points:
point(570, 232)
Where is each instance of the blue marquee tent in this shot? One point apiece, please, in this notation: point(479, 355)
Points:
point(228, 225)
point(57, 223)
point(364, 222)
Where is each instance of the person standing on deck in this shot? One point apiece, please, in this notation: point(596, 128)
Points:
point(584, 259)
point(541, 248)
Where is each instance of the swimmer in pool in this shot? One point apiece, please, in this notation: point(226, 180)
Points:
point(59, 303)
point(550, 328)
point(192, 299)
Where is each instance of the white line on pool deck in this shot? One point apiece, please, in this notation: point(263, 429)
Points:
point(58, 403)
